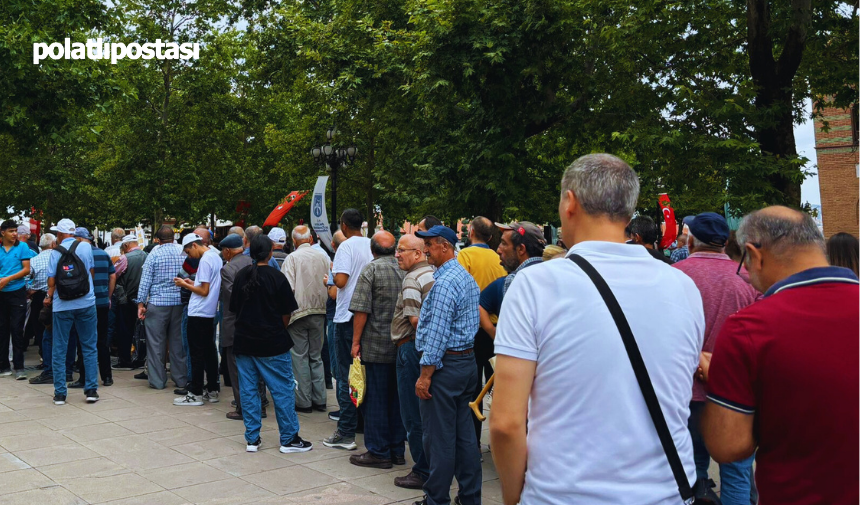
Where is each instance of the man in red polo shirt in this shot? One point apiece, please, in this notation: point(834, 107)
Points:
point(783, 376)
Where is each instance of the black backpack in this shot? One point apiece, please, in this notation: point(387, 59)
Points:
point(73, 279)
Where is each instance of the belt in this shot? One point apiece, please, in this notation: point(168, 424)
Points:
point(404, 340)
point(460, 353)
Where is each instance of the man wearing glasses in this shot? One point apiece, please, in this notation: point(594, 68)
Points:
point(723, 294)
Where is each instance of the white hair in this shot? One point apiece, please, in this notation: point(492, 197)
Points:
point(604, 185)
point(46, 240)
point(298, 237)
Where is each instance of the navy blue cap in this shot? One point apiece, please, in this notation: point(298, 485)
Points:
point(82, 232)
point(439, 231)
point(711, 228)
point(231, 241)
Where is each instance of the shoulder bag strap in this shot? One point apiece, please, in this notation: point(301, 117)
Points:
point(641, 376)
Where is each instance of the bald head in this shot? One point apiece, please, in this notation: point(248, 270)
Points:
point(302, 235)
point(382, 244)
point(480, 230)
point(204, 234)
point(337, 239)
point(237, 230)
point(410, 252)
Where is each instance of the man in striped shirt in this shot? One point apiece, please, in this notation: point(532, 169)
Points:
point(416, 286)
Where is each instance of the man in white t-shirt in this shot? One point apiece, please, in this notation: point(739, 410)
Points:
point(202, 307)
point(351, 257)
point(562, 366)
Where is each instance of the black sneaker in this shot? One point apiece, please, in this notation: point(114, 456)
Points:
point(92, 395)
point(253, 447)
point(304, 410)
point(59, 399)
point(108, 381)
point(43, 378)
point(180, 391)
point(297, 445)
point(141, 376)
point(122, 367)
point(319, 408)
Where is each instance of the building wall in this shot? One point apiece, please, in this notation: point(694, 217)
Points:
point(837, 154)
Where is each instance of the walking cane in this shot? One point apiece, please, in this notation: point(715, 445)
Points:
point(474, 404)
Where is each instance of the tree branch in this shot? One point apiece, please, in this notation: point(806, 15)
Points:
point(792, 53)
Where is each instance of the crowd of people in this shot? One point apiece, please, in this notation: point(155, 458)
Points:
point(620, 369)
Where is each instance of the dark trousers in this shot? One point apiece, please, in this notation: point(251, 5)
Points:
point(326, 354)
point(13, 311)
point(128, 314)
point(384, 434)
point(348, 413)
point(204, 355)
point(483, 352)
point(101, 346)
point(34, 329)
point(449, 435)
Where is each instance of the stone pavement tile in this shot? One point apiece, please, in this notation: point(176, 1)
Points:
point(227, 492)
point(31, 441)
point(178, 436)
point(336, 494)
point(383, 484)
point(12, 417)
point(130, 443)
point(55, 455)
point(342, 469)
point(10, 462)
point(227, 428)
point(23, 480)
point(147, 459)
point(96, 432)
point(72, 420)
point(28, 400)
point(24, 427)
point(290, 480)
point(488, 469)
point(239, 465)
point(184, 475)
point(95, 467)
point(203, 451)
point(45, 496)
point(126, 414)
point(491, 490)
point(159, 498)
point(48, 410)
point(108, 403)
point(99, 489)
point(195, 416)
point(4, 408)
point(155, 423)
point(318, 453)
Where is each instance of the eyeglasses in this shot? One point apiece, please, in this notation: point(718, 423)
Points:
point(744, 256)
point(400, 250)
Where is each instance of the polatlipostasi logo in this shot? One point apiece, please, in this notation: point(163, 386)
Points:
point(98, 49)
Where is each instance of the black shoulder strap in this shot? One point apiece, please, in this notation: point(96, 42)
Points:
point(74, 246)
point(641, 376)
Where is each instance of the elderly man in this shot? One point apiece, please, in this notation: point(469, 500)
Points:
point(250, 233)
point(304, 268)
point(113, 251)
point(231, 252)
point(783, 376)
point(416, 286)
point(72, 310)
point(14, 268)
point(279, 239)
point(25, 237)
point(128, 284)
point(159, 302)
point(561, 362)
point(445, 338)
point(37, 288)
point(372, 305)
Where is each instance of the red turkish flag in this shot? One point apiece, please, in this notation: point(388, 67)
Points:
point(671, 232)
point(281, 210)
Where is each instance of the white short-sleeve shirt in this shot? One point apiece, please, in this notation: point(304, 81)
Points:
point(209, 270)
point(351, 257)
point(590, 438)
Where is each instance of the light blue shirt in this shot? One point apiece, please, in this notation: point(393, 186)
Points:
point(85, 253)
point(11, 262)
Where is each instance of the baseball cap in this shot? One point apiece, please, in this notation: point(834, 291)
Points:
point(529, 231)
point(278, 236)
point(23, 230)
point(82, 232)
point(231, 241)
point(190, 239)
point(64, 226)
point(131, 237)
point(711, 228)
point(439, 231)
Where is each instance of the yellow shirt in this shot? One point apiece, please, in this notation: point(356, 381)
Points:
point(482, 263)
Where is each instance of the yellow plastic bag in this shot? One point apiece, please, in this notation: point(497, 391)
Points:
point(356, 382)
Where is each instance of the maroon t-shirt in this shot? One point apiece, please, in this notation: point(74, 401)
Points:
point(791, 360)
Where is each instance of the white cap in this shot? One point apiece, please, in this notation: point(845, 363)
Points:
point(64, 226)
point(131, 237)
point(278, 236)
point(191, 237)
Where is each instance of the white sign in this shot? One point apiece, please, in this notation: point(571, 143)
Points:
point(319, 218)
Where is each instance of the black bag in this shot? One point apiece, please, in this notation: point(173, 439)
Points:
point(139, 342)
point(73, 279)
point(644, 381)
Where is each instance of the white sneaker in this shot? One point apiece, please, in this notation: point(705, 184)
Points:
point(189, 400)
point(253, 447)
point(211, 396)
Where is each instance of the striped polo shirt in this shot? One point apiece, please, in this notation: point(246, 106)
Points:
point(103, 268)
point(416, 286)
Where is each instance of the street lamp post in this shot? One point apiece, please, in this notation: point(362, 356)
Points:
point(333, 158)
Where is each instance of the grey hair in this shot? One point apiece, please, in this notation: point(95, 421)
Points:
point(604, 185)
point(117, 234)
point(301, 236)
point(781, 235)
point(251, 232)
point(47, 239)
point(700, 246)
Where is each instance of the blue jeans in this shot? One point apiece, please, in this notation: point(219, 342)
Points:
point(348, 414)
point(408, 371)
point(85, 321)
point(735, 477)
point(277, 371)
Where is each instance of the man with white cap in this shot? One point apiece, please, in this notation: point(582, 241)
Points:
point(71, 262)
point(279, 238)
point(14, 267)
point(24, 236)
point(127, 286)
point(205, 291)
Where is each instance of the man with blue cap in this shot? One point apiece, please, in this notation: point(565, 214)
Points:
point(723, 294)
point(445, 339)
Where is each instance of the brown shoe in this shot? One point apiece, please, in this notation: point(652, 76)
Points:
point(370, 461)
point(411, 481)
point(235, 416)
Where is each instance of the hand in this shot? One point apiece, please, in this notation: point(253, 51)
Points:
point(422, 388)
point(3, 282)
point(325, 280)
point(141, 313)
point(180, 281)
point(704, 367)
point(356, 350)
point(48, 299)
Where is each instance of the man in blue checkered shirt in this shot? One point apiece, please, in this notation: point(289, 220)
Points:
point(445, 336)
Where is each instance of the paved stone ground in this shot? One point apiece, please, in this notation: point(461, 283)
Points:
point(135, 447)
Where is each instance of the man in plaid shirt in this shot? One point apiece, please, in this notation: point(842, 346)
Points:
point(158, 301)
